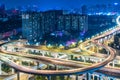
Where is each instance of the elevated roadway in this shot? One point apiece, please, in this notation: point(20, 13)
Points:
point(78, 70)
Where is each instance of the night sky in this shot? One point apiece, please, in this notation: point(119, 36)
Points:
point(55, 4)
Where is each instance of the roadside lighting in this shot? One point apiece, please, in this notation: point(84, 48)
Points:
point(49, 46)
point(88, 38)
point(61, 46)
point(37, 44)
point(81, 40)
point(73, 44)
point(92, 36)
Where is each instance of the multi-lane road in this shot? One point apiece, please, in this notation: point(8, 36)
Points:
point(69, 63)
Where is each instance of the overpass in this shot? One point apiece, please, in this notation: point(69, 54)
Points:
point(78, 70)
point(63, 72)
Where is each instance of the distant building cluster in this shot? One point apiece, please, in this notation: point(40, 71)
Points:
point(84, 21)
point(104, 9)
point(2, 9)
point(10, 20)
point(98, 9)
point(36, 24)
point(101, 21)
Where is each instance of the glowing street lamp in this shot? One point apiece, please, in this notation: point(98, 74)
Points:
point(49, 46)
point(61, 46)
point(93, 36)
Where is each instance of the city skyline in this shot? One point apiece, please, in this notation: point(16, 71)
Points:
point(59, 39)
point(55, 4)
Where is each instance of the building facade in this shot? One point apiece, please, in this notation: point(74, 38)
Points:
point(36, 24)
point(32, 27)
point(75, 22)
point(50, 19)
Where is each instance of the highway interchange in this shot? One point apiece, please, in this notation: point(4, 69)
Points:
point(77, 67)
point(63, 62)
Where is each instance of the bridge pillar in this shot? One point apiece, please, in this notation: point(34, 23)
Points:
point(43, 54)
point(108, 65)
point(101, 40)
point(97, 49)
point(0, 67)
point(83, 58)
point(13, 71)
point(56, 56)
point(100, 60)
point(76, 77)
point(100, 77)
point(69, 57)
point(37, 65)
point(56, 67)
point(98, 41)
point(93, 48)
point(108, 78)
point(113, 64)
point(88, 76)
point(18, 75)
point(68, 77)
point(92, 75)
point(49, 77)
point(109, 37)
point(97, 77)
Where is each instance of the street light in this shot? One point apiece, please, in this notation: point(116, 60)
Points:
point(49, 46)
point(61, 46)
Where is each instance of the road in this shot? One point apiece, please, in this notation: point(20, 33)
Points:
point(78, 70)
point(59, 72)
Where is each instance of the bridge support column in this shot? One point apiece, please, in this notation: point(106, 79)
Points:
point(97, 77)
point(68, 77)
point(93, 76)
point(56, 67)
point(100, 77)
point(13, 71)
point(18, 75)
point(0, 67)
point(20, 63)
point(108, 78)
point(69, 57)
point(49, 77)
point(88, 76)
point(83, 58)
point(108, 65)
point(113, 78)
point(113, 64)
point(43, 54)
point(56, 56)
point(93, 48)
point(97, 49)
point(76, 77)
point(37, 65)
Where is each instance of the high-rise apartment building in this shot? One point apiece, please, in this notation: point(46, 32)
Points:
point(50, 19)
point(73, 22)
point(31, 26)
point(36, 24)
